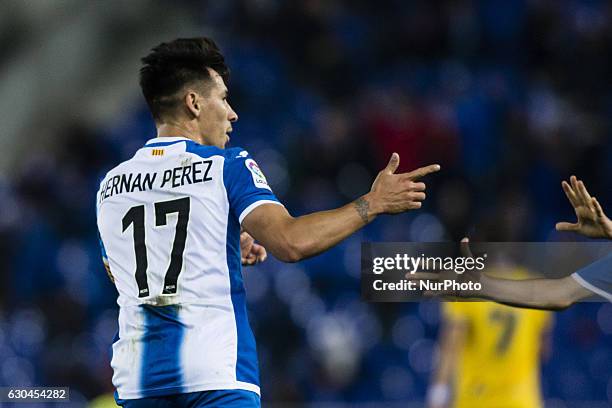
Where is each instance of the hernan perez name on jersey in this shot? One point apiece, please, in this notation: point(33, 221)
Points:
point(196, 172)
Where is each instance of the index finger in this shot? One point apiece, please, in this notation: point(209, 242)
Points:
point(570, 194)
point(423, 171)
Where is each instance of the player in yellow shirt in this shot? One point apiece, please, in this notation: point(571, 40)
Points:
point(489, 356)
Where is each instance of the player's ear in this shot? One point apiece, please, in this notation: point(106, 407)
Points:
point(192, 101)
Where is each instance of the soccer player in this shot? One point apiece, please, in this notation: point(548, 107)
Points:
point(489, 356)
point(552, 294)
point(170, 219)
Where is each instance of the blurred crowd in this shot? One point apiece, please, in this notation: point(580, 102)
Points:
point(510, 97)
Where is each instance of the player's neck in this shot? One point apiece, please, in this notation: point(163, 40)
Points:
point(178, 129)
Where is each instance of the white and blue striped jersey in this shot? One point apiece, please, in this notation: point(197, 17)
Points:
point(597, 277)
point(169, 222)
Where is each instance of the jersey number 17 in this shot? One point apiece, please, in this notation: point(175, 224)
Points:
point(136, 217)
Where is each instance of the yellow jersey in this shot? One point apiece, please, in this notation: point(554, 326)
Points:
point(498, 364)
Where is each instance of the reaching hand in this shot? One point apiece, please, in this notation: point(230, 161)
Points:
point(394, 193)
point(592, 222)
point(250, 252)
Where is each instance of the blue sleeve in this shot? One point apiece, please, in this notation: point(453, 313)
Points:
point(597, 277)
point(246, 185)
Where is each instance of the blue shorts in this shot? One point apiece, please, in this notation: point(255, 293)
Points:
point(217, 398)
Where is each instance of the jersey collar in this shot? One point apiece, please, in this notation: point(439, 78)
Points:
point(165, 141)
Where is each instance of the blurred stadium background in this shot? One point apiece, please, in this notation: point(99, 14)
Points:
point(510, 96)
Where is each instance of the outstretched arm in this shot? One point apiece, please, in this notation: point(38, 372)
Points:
point(555, 293)
point(292, 239)
point(549, 294)
point(591, 220)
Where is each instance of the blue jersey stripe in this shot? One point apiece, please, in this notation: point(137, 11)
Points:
point(246, 365)
point(201, 150)
point(161, 371)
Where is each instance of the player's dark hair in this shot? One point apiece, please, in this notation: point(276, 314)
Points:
point(171, 66)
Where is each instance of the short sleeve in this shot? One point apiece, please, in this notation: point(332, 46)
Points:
point(597, 277)
point(247, 187)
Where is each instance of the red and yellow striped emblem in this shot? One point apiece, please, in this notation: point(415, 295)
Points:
point(158, 152)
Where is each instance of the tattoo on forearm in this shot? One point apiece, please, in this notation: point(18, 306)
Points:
point(363, 208)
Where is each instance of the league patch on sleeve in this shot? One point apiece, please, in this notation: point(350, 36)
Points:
point(258, 177)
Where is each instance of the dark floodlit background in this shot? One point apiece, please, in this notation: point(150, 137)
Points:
point(510, 97)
